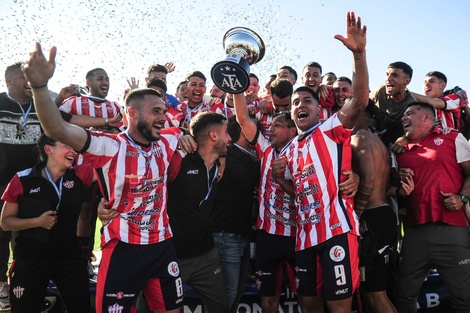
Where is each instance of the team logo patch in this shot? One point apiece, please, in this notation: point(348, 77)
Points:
point(68, 184)
point(18, 291)
point(438, 141)
point(337, 253)
point(173, 269)
point(115, 308)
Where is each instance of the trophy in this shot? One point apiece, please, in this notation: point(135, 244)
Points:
point(243, 47)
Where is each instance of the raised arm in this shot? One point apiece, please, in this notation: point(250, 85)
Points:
point(434, 102)
point(243, 117)
point(38, 71)
point(355, 41)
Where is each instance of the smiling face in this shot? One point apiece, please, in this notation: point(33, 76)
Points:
point(434, 87)
point(417, 121)
point(223, 139)
point(98, 84)
point(304, 110)
point(60, 155)
point(18, 87)
point(311, 77)
point(342, 90)
point(196, 89)
point(147, 119)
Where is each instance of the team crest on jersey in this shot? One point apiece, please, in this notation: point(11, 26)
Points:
point(157, 151)
point(337, 253)
point(438, 141)
point(115, 308)
point(173, 269)
point(18, 291)
point(69, 184)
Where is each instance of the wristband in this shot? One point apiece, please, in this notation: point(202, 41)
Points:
point(40, 86)
point(107, 121)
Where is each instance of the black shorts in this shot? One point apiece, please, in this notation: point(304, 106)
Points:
point(378, 247)
point(275, 255)
point(330, 269)
point(126, 269)
point(30, 277)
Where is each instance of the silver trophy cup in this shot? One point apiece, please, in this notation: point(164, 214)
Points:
point(243, 47)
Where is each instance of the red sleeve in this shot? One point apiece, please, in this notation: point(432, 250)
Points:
point(14, 190)
point(174, 166)
point(85, 172)
point(329, 102)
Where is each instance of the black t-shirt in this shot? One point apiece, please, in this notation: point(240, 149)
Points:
point(62, 240)
point(235, 195)
point(191, 197)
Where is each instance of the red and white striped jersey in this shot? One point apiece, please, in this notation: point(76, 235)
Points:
point(316, 162)
point(182, 113)
point(276, 208)
point(265, 121)
point(223, 109)
point(86, 106)
point(134, 179)
point(450, 116)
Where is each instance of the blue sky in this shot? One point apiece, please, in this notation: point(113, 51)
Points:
point(125, 37)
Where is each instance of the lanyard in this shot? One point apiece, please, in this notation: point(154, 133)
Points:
point(209, 185)
point(283, 150)
point(189, 112)
point(304, 134)
point(25, 114)
point(142, 153)
point(253, 155)
point(58, 190)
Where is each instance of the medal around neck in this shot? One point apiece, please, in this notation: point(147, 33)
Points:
point(243, 47)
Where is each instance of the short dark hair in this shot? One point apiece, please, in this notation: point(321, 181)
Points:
point(290, 69)
point(423, 105)
point(313, 64)
point(403, 66)
point(203, 122)
point(156, 68)
point(438, 74)
point(13, 68)
point(157, 82)
point(41, 142)
point(254, 76)
point(195, 74)
point(281, 88)
point(286, 116)
point(344, 79)
point(233, 128)
point(310, 91)
point(136, 96)
point(91, 73)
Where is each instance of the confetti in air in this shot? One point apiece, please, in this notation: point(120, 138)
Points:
point(125, 37)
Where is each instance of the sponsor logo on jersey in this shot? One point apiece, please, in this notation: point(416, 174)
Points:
point(115, 308)
point(173, 269)
point(35, 190)
point(337, 253)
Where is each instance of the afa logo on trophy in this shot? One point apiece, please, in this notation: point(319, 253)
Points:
point(243, 47)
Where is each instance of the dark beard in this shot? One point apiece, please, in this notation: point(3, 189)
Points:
point(146, 130)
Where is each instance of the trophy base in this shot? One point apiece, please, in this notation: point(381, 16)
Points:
point(231, 74)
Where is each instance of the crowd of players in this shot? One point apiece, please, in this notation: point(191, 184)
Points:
point(328, 166)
